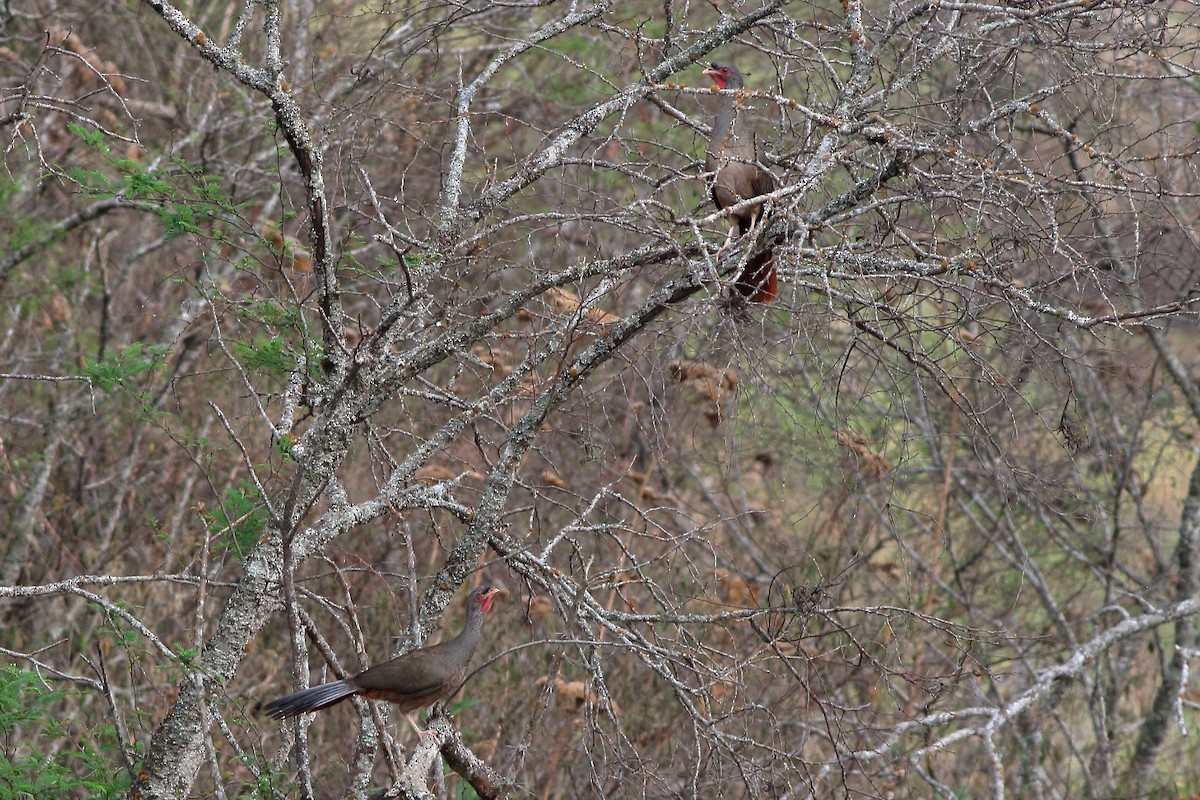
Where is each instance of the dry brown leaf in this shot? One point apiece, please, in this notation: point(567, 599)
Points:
point(600, 317)
point(723, 688)
point(294, 256)
point(59, 309)
point(685, 370)
point(647, 492)
point(550, 479)
point(540, 606)
point(573, 695)
point(567, 302)
point(496, 359)
point(875, 464)
point(563, 299)
point(710, 384)
point(435, 473)
point(485, 749)
point(738, 591)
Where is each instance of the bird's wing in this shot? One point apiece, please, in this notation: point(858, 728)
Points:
point(417, 674)
point(762, 182)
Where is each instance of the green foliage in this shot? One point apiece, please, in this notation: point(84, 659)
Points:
point(117, 370)
point(91, 180)
point(267, 778)
point(116, 629)
point(240, 520)
point(271, 312)
point(465, 790)
point(461, 705)
point(269, 355)
point(93, 139)
point(19, 229)
point(139, 183)
point(30, 725)
point(188, 200)
point(188, 656)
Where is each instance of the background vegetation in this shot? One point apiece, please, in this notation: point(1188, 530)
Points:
point(317, 313)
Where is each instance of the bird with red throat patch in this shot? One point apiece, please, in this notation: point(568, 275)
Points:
point(732, 160)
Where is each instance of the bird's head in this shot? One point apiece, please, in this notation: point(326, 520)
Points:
point(726, 76)
point(481, 598)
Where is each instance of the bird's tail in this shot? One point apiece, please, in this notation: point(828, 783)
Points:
point(313, 699)
point(758, 283)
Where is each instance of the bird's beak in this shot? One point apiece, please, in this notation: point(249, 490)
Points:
point(715, 74)
point(487, 599)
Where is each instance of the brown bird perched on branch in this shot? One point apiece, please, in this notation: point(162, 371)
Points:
point(732, 157)
point(414, 680)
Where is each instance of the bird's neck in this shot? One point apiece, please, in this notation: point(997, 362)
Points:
point(727, 131)
point(468, 637)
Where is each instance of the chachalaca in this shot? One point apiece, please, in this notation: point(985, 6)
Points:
point(732, 158)
point(413, 680)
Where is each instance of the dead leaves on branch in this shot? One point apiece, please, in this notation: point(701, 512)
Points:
point(736, 591)
point(574, 697)
point(713, 386)
point(869, 461)
point(436, 473)
point(287, 248)
point(548, 478)
point(567, 302)
point(562, 300)
point(99, 72)
point(86, 88)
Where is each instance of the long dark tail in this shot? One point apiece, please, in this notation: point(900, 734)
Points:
point(758, 283)
point(313, 699)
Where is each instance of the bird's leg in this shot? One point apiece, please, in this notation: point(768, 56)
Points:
point(733, 229)
point(755, 218)
point(421, 734)
point(752, 231)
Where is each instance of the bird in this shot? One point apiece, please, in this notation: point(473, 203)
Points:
point(732, 159)
point(414, 680)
